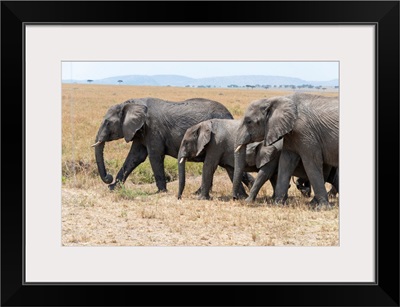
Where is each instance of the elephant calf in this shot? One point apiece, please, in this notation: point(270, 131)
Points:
point(212, 141)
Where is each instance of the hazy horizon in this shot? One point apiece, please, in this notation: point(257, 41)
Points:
point(309, 71)
point(200, 77)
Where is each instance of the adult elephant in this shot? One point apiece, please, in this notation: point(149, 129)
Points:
point(309, 126)
point(155, 127)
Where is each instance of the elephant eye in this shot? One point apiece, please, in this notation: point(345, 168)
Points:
point(248, 121)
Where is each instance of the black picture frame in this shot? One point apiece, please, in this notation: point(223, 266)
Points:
point(383, 14)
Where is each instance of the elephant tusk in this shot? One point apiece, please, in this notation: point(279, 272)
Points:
point(181, 160)
point(238, 148)
point(95, 144)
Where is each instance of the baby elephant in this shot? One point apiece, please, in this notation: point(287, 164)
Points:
point(212, 142)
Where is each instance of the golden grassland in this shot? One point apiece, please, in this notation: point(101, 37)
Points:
point(136, 215)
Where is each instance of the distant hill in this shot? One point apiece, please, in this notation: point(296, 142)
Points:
point(177, 80)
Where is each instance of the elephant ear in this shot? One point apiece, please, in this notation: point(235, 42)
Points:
point(280, 116)
point(133, 118)
point(204, 136)
point(265, 154)
point(251, 152)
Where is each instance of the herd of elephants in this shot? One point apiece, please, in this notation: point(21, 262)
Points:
point(279, 137)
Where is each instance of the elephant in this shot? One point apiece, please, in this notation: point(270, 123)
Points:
point(212, 142)
point(309, 127)
point(270, 171)
point(156, 128)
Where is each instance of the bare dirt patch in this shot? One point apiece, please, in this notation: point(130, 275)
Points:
point(145, 218)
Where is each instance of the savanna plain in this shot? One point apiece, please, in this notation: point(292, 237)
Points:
point(135, 215)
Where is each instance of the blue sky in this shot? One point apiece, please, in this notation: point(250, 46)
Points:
point(309, 71)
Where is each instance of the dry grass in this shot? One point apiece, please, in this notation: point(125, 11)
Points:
point(137, 216)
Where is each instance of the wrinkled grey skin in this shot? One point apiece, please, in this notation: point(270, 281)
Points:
point(255, 157)
point(155, 127)
point(309, 126)
point(269, 171)
point(211, 142)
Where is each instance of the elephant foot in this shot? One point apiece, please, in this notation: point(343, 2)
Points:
point(198, 192)
point(332, 194)
point(240, 196)
point(115, 185)
point(249, 200)
point(243, 196)
point(203, 197)
point(323, 207)
point(162, 190)
point(280, 200)
point(319, 205)
point(279, 203)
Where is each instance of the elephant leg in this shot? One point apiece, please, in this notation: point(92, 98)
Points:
point(265, 173)
point(209, 167)
point(274, 180)
point(157, 165)
point(332, 192)
point(198, 191)
point(241, 191)
point(333, 179)
point(314, 170)
point(303, 185)
point(247, 179)
point(287, 164)
point(137, 154)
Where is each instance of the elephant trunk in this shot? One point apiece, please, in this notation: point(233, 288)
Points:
point(99, 149)
point(240, 162)
point(181, 172)
point(242, 139)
